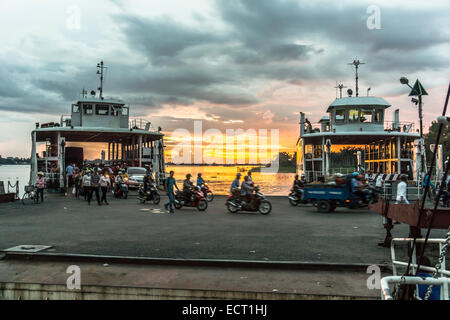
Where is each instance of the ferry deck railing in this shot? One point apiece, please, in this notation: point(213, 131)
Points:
point(444, 273)
point(388, 126)
point(140, 123)
point(387, 281)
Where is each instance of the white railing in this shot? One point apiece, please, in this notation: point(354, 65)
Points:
point(442, 270)
point(140, 123)
point(387, 281)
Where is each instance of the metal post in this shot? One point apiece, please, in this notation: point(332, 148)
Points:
point(33, 171)
point(140, 150)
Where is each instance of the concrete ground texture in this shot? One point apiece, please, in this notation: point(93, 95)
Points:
point(128, 228)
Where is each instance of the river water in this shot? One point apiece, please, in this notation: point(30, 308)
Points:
point(219, 178)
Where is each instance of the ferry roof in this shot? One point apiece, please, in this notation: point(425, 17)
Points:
point(98, 100)
point(324, 119)
point(358, 101)
point(91, 134)
point(357, 137)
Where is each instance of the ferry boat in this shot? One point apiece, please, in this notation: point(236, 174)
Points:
point(96, 119)
point(390, 148)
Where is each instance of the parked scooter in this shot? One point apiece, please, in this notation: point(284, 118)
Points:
point(152, 194)
point(259, 203)
point(197, 200)
point(121, 191)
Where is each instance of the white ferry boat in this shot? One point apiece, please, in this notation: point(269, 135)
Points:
point(96, 119)
point(390, 148)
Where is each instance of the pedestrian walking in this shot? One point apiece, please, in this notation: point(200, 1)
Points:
point(40, 185)
point(170, 183)
point(105, 183)
point(95, 186)
point(402, 196)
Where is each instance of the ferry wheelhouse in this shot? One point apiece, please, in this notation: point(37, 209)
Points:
point(388, 147)
point(96, 120)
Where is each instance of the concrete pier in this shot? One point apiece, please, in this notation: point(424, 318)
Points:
point(126, 228)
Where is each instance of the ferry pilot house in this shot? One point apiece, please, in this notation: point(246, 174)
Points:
point(387, 146)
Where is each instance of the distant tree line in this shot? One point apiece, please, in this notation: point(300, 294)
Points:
point(345, 158)
point(14, 160)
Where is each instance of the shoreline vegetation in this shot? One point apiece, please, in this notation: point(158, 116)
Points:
point(14, 161)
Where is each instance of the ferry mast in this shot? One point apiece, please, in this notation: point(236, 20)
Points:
point(356, 63)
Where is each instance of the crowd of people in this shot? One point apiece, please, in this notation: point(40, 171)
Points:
point(97, 180)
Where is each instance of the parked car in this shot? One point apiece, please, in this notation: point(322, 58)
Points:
point(135, 177)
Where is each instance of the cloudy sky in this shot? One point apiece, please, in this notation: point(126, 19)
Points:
point(231, 63)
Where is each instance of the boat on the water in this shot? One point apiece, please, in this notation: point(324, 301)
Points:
point(96, 119)
point(389, 148)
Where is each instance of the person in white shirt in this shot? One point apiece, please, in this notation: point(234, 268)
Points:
point(86, 185)
point(379, 183)
point(105, 182)
point(402, 191)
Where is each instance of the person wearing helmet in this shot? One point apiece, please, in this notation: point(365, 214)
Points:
point(125, 175)
point(299, 183)
point(247, 189)
point(148, 179)
point(200, 180)
point(40, 185)
point(187, 186)
point(235, 183)
point(358, 187)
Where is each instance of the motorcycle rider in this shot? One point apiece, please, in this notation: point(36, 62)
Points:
point(187, 187)
point(299, 183)
point(235, 183)
point(247, 190)
point(118, 181)
point(148, 180)
point(361, 190)
point(250, 180)
point(200, 181)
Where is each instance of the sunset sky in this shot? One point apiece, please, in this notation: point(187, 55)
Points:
point(232, 64)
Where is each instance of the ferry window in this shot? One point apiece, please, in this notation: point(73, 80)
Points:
point(125, 111)
point(102, 110)
point(116, 110)
point(75, 108)
point(87, 108)
point(366, 115)
point(378, 116)
point(340, 115)
point(353, 115)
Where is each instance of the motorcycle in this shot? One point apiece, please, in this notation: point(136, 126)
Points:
point(209, 196)
point(152, 194)
point(121, 191)
point(258, 203)
point(197, 200)
point(296, 196)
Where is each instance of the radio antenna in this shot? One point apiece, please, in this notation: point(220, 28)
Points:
point(100, 70)
point(356, 63)
point(339, 86)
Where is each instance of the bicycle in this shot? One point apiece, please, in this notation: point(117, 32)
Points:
point(30, 195)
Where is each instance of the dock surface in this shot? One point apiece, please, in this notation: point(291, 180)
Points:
point(126, 228)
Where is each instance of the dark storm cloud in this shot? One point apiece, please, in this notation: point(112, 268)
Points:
point(163, 37)
point(402, 27)
point(259, 41)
